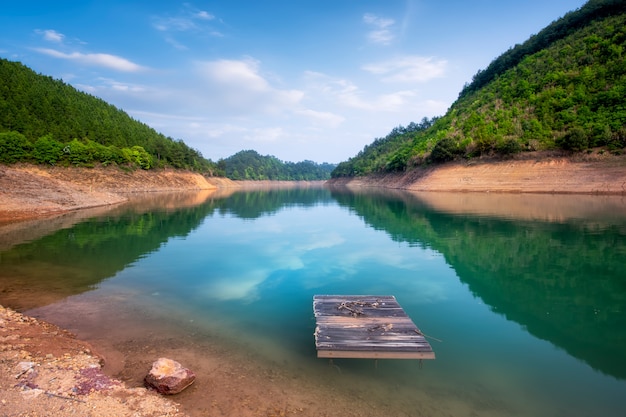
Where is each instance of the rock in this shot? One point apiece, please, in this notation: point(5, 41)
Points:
point(24, 368)
point(169, 377)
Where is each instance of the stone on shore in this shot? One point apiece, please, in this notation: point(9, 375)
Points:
point(169, 377)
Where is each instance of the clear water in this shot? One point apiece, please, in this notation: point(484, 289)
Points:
point(523, 297)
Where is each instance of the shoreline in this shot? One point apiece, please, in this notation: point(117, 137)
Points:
point(596, 174)
point(33, 191)
point(45, 370)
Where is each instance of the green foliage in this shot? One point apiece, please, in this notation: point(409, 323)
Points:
point(398, 160)
point(249, 165)
point(508, 147)
point(564, 88)
point(445, 150)
point(391, 153)
point(138, 156)
point(575, 140)
point(47, 150)
point(14, 147)
point(568, 24)
point(90, 130)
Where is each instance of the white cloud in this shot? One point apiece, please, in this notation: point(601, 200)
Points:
point(175, 43)
point(186, 20)
point(204, 15)
point(381, 34)
point(238, 85)
point(237, 73)
point(379, 22)
point(408, 69)
point(348, 94)
point(396, 100)
point(323, 118)
point(125, 87)
point(101, 60)
point(180, 24)
point(268, 134)
point(348, 98)
point(51, 35)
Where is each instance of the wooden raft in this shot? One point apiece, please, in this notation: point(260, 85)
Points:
point(366, 326)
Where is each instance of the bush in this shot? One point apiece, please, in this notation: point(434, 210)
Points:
point(445, 150)
point(79, 154)
point(574, 140)
point(508, 147)
point(484, 145)
point(398, 161)
point(137, 155)
point(47, 150)
point(14, 147)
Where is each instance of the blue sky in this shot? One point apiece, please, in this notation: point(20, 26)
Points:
point(296, 79)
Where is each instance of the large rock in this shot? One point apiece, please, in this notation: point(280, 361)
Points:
point(169, 377)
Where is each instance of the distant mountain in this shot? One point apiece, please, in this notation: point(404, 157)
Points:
point(43, 120)
point(562, 89)
point(250, 165)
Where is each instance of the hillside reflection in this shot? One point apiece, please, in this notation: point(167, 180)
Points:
point(74, 253)
point(561, 278)
point(42, 262)
point(553, 264)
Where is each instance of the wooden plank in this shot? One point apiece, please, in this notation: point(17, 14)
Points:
point(366, 326)
point(347, 354)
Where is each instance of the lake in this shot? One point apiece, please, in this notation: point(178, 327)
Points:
point(522, 297)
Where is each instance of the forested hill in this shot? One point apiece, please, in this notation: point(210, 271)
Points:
point(43, 120)
point(563, 89)
point(250, 165)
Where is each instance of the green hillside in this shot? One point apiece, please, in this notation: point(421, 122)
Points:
point(563, 89)
point(250, 165)
point(43, 120)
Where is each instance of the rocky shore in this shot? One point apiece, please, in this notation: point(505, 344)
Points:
point(46, 371)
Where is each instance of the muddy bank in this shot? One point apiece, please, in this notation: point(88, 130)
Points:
point(589, 174)
point(30, 191)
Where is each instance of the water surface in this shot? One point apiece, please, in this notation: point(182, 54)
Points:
point(523, 296)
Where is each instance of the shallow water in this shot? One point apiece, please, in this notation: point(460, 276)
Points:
point(523, 297)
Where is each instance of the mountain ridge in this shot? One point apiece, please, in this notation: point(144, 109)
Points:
point(569, 96)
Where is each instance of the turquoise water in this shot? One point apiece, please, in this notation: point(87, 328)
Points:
point(524, 297)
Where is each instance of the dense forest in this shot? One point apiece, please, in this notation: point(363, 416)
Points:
point(47, 121)
point(250, 165)
point(563, 89)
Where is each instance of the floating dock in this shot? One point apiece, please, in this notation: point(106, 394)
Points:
point(366, 326)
